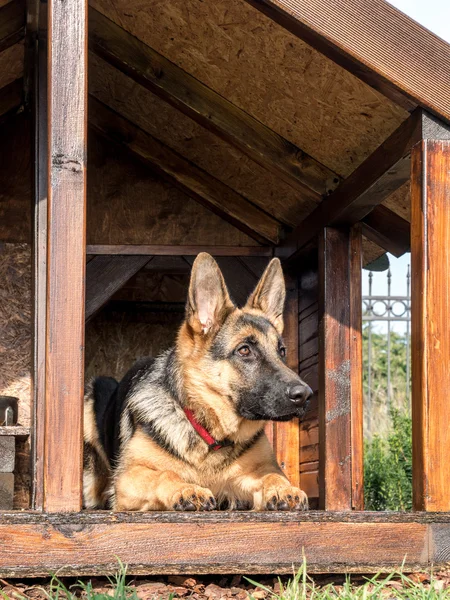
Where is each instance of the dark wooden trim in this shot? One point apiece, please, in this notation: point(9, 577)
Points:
point(340, 370)
point(89, 543)
point(105, 275)
point(194, 181)
point(384, 171)
point(190, 96)
point(388, 230)
point(37, 76)
point(67, 129)
point(356, 368)
point(430, 341)
point(286, 436)
point(11, 98)
point(12, 23)
point(377, 46)
point(161, 250)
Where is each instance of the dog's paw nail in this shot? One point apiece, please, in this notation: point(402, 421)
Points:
point(297, 498)
point(282, 505)
point(289, 497)
point(274, 499)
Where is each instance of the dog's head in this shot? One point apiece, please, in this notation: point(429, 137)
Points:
point(239, 354)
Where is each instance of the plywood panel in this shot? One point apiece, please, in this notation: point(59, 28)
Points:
point(191, 140)
point(128, 204)
point(266, 71)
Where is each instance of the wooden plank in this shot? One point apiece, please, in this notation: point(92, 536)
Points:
point(193, 180)
point(12, 23)
point(105, 275)
point(337, 377)
point(430, 260)
point(287, 435)
point(158, 250)
point(376, 45)
point(384, 171)
point(388, 230)
point(10, 99)
point(17, 431)
point(190, 96)
point(37, 65)
point(356, 369)
point(67, 103)
point(90, 543)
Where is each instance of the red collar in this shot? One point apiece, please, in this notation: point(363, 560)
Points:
point(204, 434)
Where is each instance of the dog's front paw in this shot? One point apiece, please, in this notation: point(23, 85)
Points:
point(193, 497)
point(284, 498)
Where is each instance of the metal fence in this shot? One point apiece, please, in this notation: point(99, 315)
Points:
point(382, 319)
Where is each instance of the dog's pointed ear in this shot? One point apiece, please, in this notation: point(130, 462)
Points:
point(270, 294)
point(208, 300)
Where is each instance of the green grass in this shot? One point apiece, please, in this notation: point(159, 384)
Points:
point(394, 586)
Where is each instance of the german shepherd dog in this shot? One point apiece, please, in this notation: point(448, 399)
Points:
point(185, 431)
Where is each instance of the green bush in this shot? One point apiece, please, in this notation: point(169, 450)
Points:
point(388, 466)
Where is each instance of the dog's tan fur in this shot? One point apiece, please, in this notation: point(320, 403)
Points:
point(148, 477)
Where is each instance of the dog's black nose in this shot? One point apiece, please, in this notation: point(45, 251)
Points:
point(299, 393)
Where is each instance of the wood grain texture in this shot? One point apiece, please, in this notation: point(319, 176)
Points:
point(339, 379)
point(377, 46)
point(184, 92)
point(67, 103)
point(105, 275)
point(308, 325)
point(430, 261)
point(214, 543)
point(12, 23)
point(38, 58)
point(287, 435)
point(356, 368)
point(192, 180)
point(383, 172)
point(169, 250)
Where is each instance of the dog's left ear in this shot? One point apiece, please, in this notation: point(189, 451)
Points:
point(209, 302)
point(270, 294)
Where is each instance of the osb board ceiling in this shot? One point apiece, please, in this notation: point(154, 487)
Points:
point(400, 201)
point(268, 72)
point(11, 64)
point(127, 204)
point(196, 143)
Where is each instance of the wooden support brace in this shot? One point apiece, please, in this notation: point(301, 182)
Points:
point(430, 248)
point(340, 370)
point(105, 275)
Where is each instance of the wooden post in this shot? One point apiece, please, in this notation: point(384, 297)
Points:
point(37, 82)
point(340, 370)
point(430, 247)
point(67, 101)
point(286, 436)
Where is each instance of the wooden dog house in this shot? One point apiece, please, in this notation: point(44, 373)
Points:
point(249, 129)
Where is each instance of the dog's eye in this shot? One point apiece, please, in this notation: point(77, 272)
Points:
point(283, 352)
point(244, 351)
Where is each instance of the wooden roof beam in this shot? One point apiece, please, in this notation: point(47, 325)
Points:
point(168, 81)
point(192, 180)
point(12, 23)
point(382, 46)
point(384, 171)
